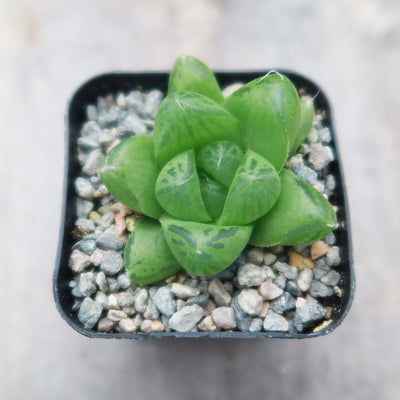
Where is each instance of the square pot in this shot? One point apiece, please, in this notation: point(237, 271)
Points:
point(123, 82)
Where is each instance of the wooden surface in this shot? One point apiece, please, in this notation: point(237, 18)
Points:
point(47, 48)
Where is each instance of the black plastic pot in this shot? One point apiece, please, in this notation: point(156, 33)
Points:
point(123, 81)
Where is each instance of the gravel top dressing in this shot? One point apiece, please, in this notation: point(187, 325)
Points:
point(282, 289)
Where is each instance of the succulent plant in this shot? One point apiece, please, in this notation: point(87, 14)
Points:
point(210, 179)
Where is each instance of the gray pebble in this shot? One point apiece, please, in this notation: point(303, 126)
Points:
point(106, 220)
point(243, 320)
point(127, 325)
point(251, 275)
point(184, 291)
point(96, 256)
point(201, 300)
point(124, 281)
point(83, 207)
point(270, 272)
point(250, 301)
point(112, 302)
point(311, 311)
point(269, 258)
point(256, 325)
point(320, 269)
point(318, 289)
point(320, 156)
point(134, 100)
point(108, 241)
point(88, 143)
point(224, 318)
point(293, 288)
point(280, 281)
point(101, 298)
point(113, 285)
point(86, 224)
point(295, 162)
point(151, 311)
point(91, 112)
point(134, 125)
point(93, 162)
point(304, 279)
point(283, 303)
point(333, 256)
point(324, 135)
point(106, 139)
point(287, 270)
point(269, 291)
point(116, 315)
point(87, 246)
point(255, 256)
point(152, 102)
point(219, 293)
point(307, 174)
point(331, 278)
point(330, 239)
point(84, 188)
point(86, 284)
point(76, 292)
point(78, 261)
point(275, 322)
point(111, 262)
point(90, 128)
point(89, 313)
point(164, 301)
point(110, 117)
point(185, 319)
point(330, 182)
point(141, 297)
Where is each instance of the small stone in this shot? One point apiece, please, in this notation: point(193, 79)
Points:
point(275, 322)
point(277, 249)
point(338, 291)
point(127, 325)
point(318, 249)
point(84, 188)
point(201, 300)
point(331, 278)
point(88, 143)
point(269, 291)
point(280, 281)
point(83, 207)
point(243, 320)
point(105, 221)
point(93, 162)
point(295, 162)
point(310, 312)
point(164, 301)
point(324, 135)
point(320, 269)
point(264, 310)
point(78, 261)
point(333, 256)
point(134, 100)
point(219, 293)
point(207, 325)
point(87, 246)
point(124, 281)
point(149, 326)
point(269, 258)
point(141, 297)
point(255, 256)
point(330, 183)
point(129, 310)
point(106, 139)
point(86, 284)
point(318, 289)
point(151, 311)
point(91, 112)
point(184, 291)
point(89, 313)
point(94, 216)
point(86, 224)
point(330, 239)
point(108, 241)
point(101, 298)
point(180, 304)
point(287, 270)
point(105, 325)
point(256, 325)
point(251, 275)
point(116, 315)
point(293, 288)
point(152, 102)
point(270, 273)
point(186, 318)
point(138, 319)
point(322, 326)
point(307, 174)
point(283, 303)
point(250, 301)
point(224, 318)
point(320, 156)
point(298, 261)
point(121, 103)
point(120, 224)
point(119, 208)
point(304, 279)
point(300, 302)
point(125, 298)
point(90, 128)
point(210, 307)
point(111, 262)
point(76, 292)
point(96, 256)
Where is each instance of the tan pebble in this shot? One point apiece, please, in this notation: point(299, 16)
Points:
point(181, 276)
point(127, 325)
point(210, 307)
point(318, 249)
point(207, 325)
point(94, 216)
point(119, 208)
point(298, 261)
point(171, 279)
point(264, 310)
point(338, 291)
point(300, 302)
point(328, 312)
point(121, 103)
point(151, 326)
point(105, 325)
point(120, 223)
point(322, 326)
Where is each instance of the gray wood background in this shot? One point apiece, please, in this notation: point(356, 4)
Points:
point(47, 48)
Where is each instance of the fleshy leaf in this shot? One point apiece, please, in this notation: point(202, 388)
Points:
point(301, 215)
point(188, 120)
point(147, 256)
point(254, 190)
point(306, 120)
point(190, 74)
point(220, 159)
point(268, 109)
point(204, 249)
point(213, 193)
point(129, 172)
point(178, 189)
